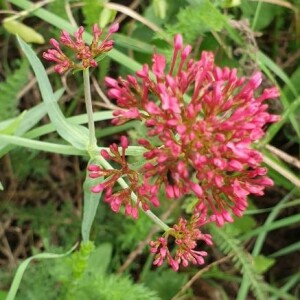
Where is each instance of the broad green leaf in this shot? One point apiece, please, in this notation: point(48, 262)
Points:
point(28, 34)
point(262, 263)
point(22, 267)
point(75, 135)
point(100, 259)
point(90, 205)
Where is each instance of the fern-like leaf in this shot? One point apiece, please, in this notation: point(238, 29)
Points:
point(91, 10)
point(196, 19)
point(241, 258)
point(9, 90)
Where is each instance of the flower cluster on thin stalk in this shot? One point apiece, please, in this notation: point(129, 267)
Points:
point(206, 119)
point(85, 55)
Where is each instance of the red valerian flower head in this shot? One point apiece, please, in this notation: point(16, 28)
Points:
point(84, 53)
point(186, 235)
point(206, 119)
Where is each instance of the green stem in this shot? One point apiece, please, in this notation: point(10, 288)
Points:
point(89, 109)
point(124, 185)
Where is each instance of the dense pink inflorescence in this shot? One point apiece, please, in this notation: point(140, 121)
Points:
point(206, 119)
point(84, 53)
point(186, 235)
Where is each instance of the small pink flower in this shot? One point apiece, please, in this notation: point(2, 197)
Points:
point(85, 54)
point(186, 235)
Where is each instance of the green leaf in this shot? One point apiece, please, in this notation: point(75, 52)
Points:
point(90, 205)
point(13, 125)
point(75, 135)
point(160, 8)
point(32, 117)
point(230, 3)
point(1, 186)
point(106, 16)
point(3, 295)
point(22, 267)
point(242, 259)
point(28, 34)
point(243, 225)
point(100, 259)
point(9, 90)
point(295, 81)
point(91, 10)
point(287, 250)
point(197, 19)
point(262, 263)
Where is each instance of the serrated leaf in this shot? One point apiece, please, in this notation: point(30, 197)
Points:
point(9, 90)
point(27, 33)
point(90, 205)
point(262, 263)
point(76, 135)
point(196, 19)
point(242, 259)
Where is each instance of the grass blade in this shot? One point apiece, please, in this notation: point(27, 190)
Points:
point(75, 135)
point(22, 268)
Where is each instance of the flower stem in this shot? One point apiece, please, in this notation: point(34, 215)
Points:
point(124, 185)
point(89, 109)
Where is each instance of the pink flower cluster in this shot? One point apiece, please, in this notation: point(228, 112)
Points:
point(86, 54)
point(206, 119)
point(201, 123)
point(186, 235)
point(123, 197)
